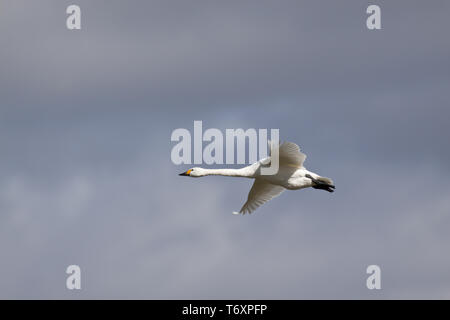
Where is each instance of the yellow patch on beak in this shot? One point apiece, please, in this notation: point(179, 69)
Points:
point(189, 171)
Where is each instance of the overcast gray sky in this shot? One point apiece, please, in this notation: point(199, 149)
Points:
point(85, 170)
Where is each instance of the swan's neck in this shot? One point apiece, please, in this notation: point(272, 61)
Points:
point(246, 172)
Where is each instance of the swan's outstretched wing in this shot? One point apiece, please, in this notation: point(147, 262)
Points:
point(290, 155)
point(260, 193)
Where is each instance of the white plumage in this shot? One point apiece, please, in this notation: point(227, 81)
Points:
point(291, 175)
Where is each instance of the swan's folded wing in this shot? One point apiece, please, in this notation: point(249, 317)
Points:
point(291, 155)
point(260, 193)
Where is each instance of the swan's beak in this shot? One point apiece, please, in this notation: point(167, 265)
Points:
point(187, 173)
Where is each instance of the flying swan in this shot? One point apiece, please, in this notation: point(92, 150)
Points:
point(292, 175)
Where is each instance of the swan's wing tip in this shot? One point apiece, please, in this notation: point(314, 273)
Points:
point(235, 212)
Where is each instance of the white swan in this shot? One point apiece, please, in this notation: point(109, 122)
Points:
point(292, 175)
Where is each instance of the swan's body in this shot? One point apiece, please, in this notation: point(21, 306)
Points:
point(291, 175)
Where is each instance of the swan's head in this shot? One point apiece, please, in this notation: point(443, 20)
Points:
point(193, 172)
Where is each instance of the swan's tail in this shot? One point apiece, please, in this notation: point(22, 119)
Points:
point(322, 183)
point(325, 180)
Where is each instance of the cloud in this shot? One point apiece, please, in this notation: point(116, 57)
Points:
point(86, 177)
